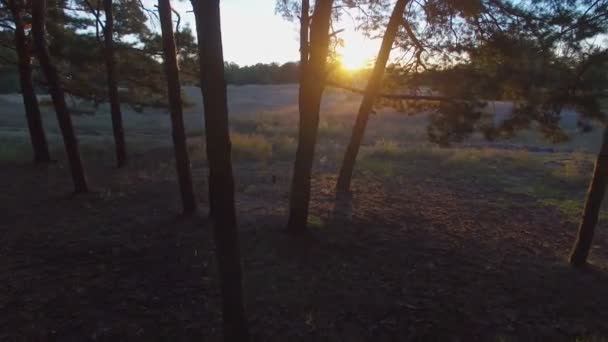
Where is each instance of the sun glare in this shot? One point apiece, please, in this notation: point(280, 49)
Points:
point(357, 51)
point(353, 61)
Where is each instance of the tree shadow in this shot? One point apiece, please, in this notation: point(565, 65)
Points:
point(375, 274)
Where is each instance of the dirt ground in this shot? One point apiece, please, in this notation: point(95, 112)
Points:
point(403, 259)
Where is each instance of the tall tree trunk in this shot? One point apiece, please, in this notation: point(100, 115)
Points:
point(312, 84)
point(30, 101)
point(371, 93)
point(57, 95)
point(304, 24)
point(221, 181)
point(595, 195)
point(182, 160)
point(119, 135)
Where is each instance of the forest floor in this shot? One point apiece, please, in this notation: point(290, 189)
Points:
point(459, 244)
point(423, 250)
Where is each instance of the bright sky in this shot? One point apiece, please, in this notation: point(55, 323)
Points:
point(252, 33)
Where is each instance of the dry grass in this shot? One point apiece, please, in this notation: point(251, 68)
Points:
point(264, 129)
point(250, 147)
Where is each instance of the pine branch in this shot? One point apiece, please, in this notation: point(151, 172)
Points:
point(406, 97)
point(95, 13)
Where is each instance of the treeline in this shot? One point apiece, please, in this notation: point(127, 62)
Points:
point(272, 73)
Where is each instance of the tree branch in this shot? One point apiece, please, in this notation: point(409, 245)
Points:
point(419, 47)
point(399, 96)
point(179, 19)
point(95, 14)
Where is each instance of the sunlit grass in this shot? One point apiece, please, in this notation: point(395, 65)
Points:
point(557, 180)
point(250, 147)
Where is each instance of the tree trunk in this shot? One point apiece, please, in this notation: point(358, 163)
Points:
point(593, 204)
point(182, 160)
point(119, 135)
point(57, 95)
point(371, 93)
point(304, 23)
point(30, 101)
point(221, 182)
point(312, 84)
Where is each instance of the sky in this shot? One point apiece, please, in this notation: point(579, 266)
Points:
point(252, 33)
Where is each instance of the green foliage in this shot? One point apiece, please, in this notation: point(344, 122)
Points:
point(75, 37)
point(261, 73)
point(544, 56)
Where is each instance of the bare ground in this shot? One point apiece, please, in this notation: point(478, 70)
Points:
point(406, 258)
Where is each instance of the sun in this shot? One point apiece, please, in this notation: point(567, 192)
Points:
point(353, 56)
point(356, 52)
point(353, 61)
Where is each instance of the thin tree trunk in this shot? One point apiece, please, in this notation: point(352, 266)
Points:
point(182, 159)
point(371, 93)
point(57, 95)
point(30, 101)
point(221, 181)
point(312, 84)
point(304, 23)
point(595, 195)
point(117, 128)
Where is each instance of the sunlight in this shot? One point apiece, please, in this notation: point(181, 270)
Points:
point(357, 52)
point(354, 61)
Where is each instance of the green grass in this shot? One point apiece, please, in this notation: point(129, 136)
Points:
point(283, 147)
point(315, 222)
point(557, 180)
point(195, 133)
point(377, 167)
point(398, 148)
point(332, 128)
point(13, 151)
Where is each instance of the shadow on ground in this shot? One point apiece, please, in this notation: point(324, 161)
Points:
point(413, 261)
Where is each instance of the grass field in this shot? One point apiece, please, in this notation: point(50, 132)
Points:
point(264, 129)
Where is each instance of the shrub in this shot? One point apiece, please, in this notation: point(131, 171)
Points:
point(250, 147)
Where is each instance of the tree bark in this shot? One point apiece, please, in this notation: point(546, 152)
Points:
point(30, 101)
point(304, 23)
point(312, 84)
point(595, 195)
point(58, 96)
point(221, 181)
point(371, 93)
point(182, 159)
point(117, 127)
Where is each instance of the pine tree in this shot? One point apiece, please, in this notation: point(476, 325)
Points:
point(30, 101)
point(221, 181)
point(312, 84)
point(58, 97)
point(182, 159)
